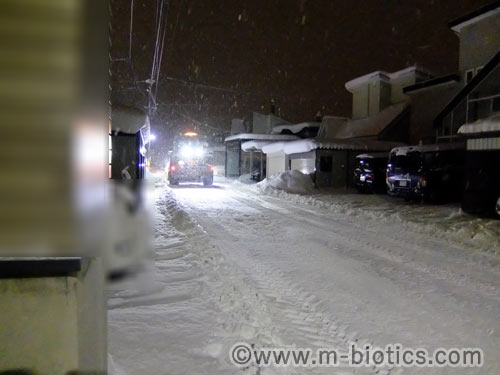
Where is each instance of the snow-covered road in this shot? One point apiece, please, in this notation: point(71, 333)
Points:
point(233, 265)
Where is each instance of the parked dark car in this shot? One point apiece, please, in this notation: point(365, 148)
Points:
point(369, 172)
point(431, 173)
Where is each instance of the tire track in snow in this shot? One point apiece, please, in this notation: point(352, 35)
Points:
point(267, 309)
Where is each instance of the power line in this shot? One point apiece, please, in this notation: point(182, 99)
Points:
point(211, 87)
point(131, 27)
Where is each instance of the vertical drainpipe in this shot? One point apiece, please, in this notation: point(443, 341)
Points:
point(315, 154)
point(225, 159)
point(239, 157)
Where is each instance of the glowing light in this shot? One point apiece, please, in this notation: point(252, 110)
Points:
point(191, 134)
point(152, 137)
point(189, 152)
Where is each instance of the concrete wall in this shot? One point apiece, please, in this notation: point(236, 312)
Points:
point(53, 325)
point(92, 317)
point(479, 42)
point(39, 328)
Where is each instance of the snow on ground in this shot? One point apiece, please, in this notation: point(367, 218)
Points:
point(278, 269)
point(444, 221)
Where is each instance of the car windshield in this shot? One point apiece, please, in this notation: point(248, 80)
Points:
point(189, 150)
point(410, 162)
point(365, 164)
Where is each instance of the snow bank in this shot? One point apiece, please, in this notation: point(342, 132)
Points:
point(441, 221)
point(246, 179)
point(293, 182)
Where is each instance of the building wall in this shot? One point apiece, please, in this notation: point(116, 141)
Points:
point(233, 150)
point(250, 162)
point(373, 98)
point(479, 42)
point(275, 163)
point(360, 102)
point(425, 105)
point(263, 124)
point(335, 176)
point(397, 94)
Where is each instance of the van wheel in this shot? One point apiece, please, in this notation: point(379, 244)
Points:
point(208, 181)
point(173, 182)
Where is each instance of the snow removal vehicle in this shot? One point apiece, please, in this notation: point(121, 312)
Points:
point(188, 161)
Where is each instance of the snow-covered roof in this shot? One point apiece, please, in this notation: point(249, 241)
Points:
point(486, 125)
point(254, 145)
point(404, 150)
point(128, 119)
point(356, 82)
point(381, 75)
point(306, 145)
point(275, 147)
point(373, 155)
point(295, 128)
point(489, 10)
point(216, 148)
point(270, 137)
point(366, 127)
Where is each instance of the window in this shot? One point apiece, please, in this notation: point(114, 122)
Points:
point(325, 164)
point(495, 105)
point(471, 73)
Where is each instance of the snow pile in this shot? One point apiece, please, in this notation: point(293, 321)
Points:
point(246, 179)
point(293, 182)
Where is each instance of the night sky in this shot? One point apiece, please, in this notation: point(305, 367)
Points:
point(225, 59)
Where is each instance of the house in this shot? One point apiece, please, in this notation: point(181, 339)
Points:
point(378, 90)
point(330, 161)
point(479, 68)
point(380, 121)
point(240, 161)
